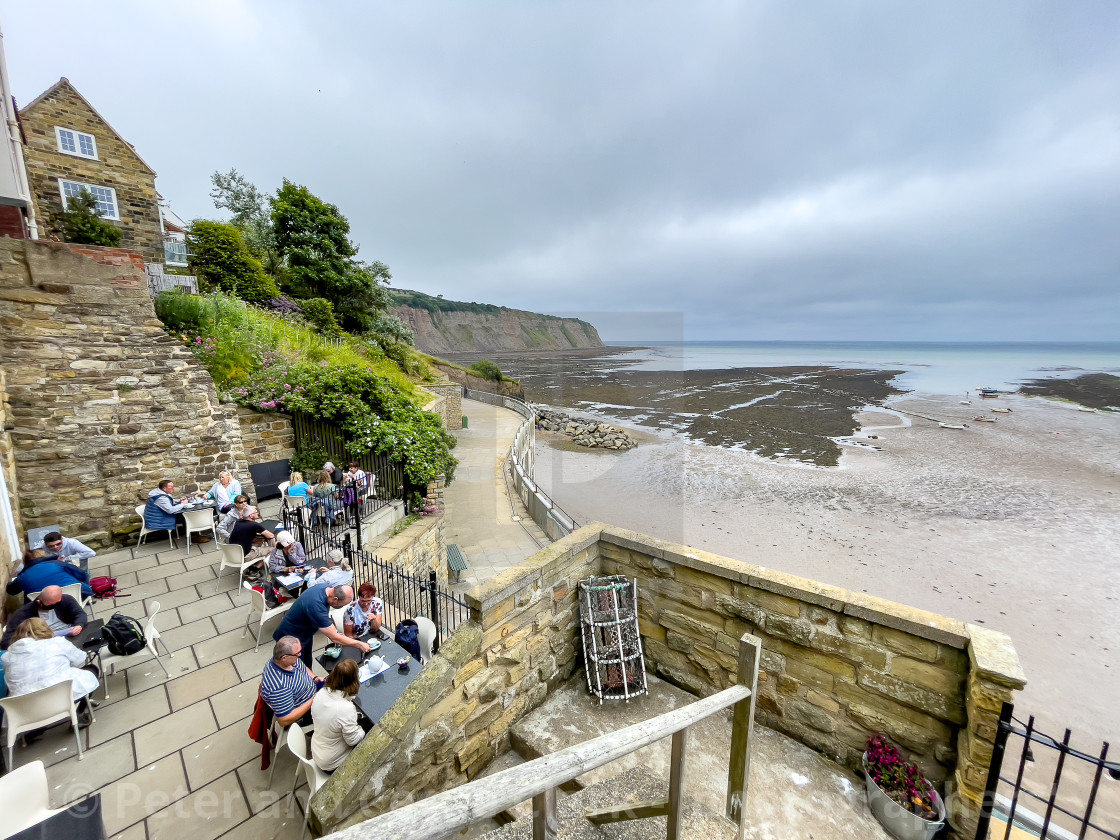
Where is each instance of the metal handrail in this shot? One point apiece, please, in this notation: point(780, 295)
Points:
point(448, 813)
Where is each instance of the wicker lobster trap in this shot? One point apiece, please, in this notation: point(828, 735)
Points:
point(612, 645)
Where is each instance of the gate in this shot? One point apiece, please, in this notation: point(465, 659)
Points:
point(1080, 797)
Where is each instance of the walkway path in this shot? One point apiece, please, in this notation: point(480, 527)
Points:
point(479, 511)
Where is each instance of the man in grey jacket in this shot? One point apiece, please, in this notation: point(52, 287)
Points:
point(68, 550)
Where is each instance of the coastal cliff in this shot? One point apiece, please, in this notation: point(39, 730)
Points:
point(444, 326)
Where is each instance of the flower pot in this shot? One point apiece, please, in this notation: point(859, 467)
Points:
point(898, 821)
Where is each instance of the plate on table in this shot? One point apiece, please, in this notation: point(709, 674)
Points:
point(374, 644)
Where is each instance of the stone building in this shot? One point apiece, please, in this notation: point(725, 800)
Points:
point(69, 146)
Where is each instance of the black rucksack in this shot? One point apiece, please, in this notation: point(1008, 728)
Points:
point(123, 635)
point(408, 636)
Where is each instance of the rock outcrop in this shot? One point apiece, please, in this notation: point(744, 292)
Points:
point(585, 431)
point(444, 326)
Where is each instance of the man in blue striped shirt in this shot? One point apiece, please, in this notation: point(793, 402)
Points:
point(287, 685)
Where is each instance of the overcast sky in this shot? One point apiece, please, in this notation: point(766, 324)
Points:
point(838, 170)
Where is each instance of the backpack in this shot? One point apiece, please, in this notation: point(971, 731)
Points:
point(408, 636)
point(123, 635)
point(105, 587)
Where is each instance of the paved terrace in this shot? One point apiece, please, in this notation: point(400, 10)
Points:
point(172, 757)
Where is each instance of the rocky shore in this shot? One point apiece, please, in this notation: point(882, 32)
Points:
point(585, 431)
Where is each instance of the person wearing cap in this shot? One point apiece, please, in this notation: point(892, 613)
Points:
point(337, 572)
point(288, 556)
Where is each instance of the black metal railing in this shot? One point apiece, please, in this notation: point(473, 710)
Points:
point(1082, 819)
point(387, 476)
point(406, 596)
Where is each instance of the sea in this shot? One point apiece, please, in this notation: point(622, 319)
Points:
point(929, 367)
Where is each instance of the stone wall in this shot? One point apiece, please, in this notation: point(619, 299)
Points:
point(267, 437)
point(118, 166)
point(455, 717)
point(448, 403)
point(11, 550)
point(505, 388)
point(419, 548)
point(103, 403)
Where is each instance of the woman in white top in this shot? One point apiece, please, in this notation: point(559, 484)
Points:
point(225, 490)
point(337, 572)
point(38, 659)
point(337, 729)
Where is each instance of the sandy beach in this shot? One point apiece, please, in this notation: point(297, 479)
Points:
point(1012, 524)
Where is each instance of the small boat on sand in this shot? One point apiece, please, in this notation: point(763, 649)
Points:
point(989, 392)
point(952, 425)
point(1001, 410)
point(980, 418)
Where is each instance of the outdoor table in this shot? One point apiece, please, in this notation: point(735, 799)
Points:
point(81, 821)
point(89, 631)
point(379, 693)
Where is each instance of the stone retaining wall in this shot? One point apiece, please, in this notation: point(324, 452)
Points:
point(448, 404)
point(836, 667)
point(104, 403)
point(455, 717)
point(266, 437)
point(419, 548)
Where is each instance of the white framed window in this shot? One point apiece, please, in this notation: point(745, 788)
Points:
point(106, 197)
point(77, 143)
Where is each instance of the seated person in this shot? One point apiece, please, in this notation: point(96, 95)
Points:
point(297, 486)
point(255, 540)
point(354, 484)
point(288, 556)
point(161, 511)
point(323, 494)
point(39, 659)
point(287, 685)
point(337, 729)
point(337, 571)
point(365, 614)
point(49, 572)
point(334, 472)
point(62, 614)
point(311, 614)
point(68, 550)
point(238, 511)
point(224, 491)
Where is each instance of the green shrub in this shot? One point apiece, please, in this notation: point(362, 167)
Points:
point(487, 370)
point(309, 459)
point(82, 224)
point(224, 262)
point(320, 314)
point(184, 313)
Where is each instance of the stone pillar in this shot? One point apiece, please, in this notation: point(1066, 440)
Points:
point(994, 675)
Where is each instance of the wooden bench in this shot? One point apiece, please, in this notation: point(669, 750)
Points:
point(456, 562)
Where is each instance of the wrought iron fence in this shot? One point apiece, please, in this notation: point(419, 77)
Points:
point(387, 476)
point(1016, 810)
point(405, 595)
point(545, 512)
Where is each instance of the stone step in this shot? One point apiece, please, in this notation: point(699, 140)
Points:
point(793, 791)
point(632, 787)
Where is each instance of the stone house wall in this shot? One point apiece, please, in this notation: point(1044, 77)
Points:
point(455, 717)
point(266, 437)
point(419, 548)
point(836, 667)
point(118, 166)
point(9, 557)
point(450, 409)
point(103, 402)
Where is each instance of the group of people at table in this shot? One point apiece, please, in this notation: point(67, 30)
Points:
point(37, 652)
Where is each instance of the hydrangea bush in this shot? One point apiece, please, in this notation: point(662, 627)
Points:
point(901, 780)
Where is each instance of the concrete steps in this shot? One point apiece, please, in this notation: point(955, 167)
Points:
point(628, 788)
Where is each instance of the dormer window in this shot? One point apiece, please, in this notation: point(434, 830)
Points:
point(77, 143)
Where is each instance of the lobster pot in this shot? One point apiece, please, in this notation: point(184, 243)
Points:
point(612, 646)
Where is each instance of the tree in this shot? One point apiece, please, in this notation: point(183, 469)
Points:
point(81, 223)
point(223, 261)
point(248, 207)
point(313, 238)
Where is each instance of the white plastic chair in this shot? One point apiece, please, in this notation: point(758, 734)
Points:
point(258, 605)
point(337, 616)
point(37, 709)
point(316, 778)
point(283, 487)
point(151, 639)
point(233, 557)
point(145, 530)
point(24, 798)
point(199, 521)
point(426, 630)
point(74, 590)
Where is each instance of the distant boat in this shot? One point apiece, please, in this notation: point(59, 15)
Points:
point(1086, 408)
point(989, 392)
point(980, 418)
point(1001, 410)
point(952, 425)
